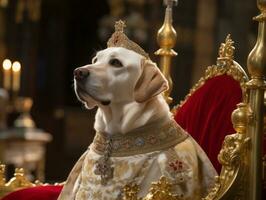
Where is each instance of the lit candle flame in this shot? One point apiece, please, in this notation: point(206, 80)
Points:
point(7, 74)
point(16, 68)
point(7, 64)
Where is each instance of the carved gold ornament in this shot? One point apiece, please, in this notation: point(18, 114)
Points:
point(226, 52)
point(18, 181)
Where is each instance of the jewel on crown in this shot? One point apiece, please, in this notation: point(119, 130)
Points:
point(119, 39)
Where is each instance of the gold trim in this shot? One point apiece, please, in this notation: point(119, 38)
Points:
point(153, 137)
point(225, 65)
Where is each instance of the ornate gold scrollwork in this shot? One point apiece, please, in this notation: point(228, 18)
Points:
point(231, 182)
point(17, 182)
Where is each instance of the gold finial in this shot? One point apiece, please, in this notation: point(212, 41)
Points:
point(166, 38)
point(240, 118)
point(161, 190)
point(226, 51)
point(131, 192)
point(119, 39)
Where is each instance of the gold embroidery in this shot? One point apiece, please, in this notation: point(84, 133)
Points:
point(143, 140)
point(97, 195)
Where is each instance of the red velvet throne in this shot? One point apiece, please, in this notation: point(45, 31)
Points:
point(206, 112)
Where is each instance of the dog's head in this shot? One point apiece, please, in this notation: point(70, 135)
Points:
point(118, 75)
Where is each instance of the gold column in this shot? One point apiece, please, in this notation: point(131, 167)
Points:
point(257, 66)
point(166, 38)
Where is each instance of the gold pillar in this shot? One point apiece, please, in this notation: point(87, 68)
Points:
point(166, 39)
point(257, 66)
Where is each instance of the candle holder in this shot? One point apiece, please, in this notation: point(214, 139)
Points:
point(23, 105)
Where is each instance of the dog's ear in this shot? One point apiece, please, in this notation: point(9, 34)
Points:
point(150, 83)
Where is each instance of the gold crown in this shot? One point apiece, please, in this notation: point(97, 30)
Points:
point(119, 39)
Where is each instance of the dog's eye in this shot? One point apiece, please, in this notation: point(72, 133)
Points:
point(115, 62)
point(94, 60)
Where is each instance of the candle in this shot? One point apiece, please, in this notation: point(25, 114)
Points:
point(7, 74)
point(16, 68)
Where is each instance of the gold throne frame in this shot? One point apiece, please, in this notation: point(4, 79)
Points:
point(240, 156)
point(241, 153)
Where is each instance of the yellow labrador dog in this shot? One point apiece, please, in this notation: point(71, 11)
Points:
point(136, 139)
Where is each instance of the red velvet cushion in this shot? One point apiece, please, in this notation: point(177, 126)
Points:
point(35, 193)
point(206, 115)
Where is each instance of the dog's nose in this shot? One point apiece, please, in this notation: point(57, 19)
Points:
point(81, 73)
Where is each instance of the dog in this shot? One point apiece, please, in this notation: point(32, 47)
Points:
point(137, 141)
point(127, 89)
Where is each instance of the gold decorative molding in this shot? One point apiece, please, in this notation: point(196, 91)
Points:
point(225, 65)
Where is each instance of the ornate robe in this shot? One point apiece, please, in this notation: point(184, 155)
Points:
point(141, 158)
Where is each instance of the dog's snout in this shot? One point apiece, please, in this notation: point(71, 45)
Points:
point(81, 73)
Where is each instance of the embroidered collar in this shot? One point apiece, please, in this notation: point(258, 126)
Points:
point(153, 137)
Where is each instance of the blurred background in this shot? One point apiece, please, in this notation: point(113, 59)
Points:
point(50, 38)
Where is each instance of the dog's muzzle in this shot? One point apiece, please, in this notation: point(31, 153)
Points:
point(81, 75)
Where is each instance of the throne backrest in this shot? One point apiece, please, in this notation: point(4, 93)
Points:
point(205, 113)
